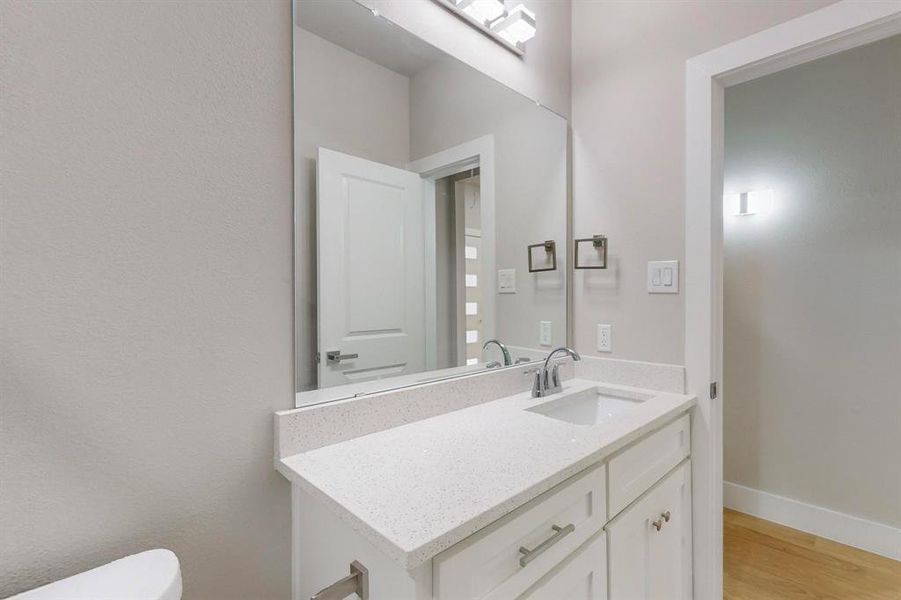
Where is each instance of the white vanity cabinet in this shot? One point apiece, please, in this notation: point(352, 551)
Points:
point(650, 543)
point(618, 530)
point(502, 560)
point(582, 576)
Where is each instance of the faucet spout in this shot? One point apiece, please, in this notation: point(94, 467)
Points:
point(563, 349)
point(508, 360)
point(548, 382)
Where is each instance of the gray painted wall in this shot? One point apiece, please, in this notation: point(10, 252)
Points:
point(812, 288)
point(145, 328)
point(628, 130)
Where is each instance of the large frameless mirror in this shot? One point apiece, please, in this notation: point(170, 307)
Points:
point(430, 211)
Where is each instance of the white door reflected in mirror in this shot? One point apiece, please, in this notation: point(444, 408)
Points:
point(371, 269)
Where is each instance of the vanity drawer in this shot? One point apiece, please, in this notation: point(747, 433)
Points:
point(488, 565)
point(582, 576)
point(641, 465)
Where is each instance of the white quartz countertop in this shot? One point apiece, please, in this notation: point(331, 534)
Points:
point(420, 488)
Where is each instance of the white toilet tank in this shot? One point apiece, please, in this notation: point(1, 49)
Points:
point(150, 575)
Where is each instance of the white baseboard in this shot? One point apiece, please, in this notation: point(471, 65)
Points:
point(846, 529)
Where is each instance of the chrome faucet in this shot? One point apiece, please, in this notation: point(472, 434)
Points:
point(548, 382)
point(507, 359)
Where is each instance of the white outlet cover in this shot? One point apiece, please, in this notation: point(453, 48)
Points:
point(605, 338)
point(663, 277)
point(506, 281)
point(544, 333)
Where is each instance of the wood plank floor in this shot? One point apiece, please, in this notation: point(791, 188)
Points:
point(766, 561)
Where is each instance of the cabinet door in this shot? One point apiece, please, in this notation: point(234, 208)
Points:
point(650, 556)
point(582, 576)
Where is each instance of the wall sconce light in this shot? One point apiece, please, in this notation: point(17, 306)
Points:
point(749, 203)
point(509, 29)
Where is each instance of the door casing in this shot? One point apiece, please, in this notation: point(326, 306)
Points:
point(475, 153)
point(840, 26)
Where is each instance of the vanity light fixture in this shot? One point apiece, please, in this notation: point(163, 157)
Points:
point(483, 11)
point(509, 29)
point(518, 27)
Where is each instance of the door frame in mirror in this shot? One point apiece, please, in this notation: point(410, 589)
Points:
point(478, 152)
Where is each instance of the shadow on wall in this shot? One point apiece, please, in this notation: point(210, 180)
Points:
point(305, 285)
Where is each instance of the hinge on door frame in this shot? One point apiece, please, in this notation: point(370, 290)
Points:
point(713, 391)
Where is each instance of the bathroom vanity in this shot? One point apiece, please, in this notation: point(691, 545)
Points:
point(432, 265)
point(583, 494)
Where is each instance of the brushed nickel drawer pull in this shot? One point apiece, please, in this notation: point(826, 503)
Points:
point(658, 524)
point(666, 516)
point(559, 534)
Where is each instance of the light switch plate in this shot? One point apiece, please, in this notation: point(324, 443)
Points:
point(544, 333)
point(506, 281)
point(663, 277)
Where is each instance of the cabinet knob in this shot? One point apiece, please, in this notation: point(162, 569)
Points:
point(664, 518)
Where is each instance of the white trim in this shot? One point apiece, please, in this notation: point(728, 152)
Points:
point(831, 29)
point(479, 151)
point(877, 538)
point(295, 537)
point(429, 224)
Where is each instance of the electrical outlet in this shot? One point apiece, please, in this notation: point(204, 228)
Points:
point(605, 338)
point(544, 333)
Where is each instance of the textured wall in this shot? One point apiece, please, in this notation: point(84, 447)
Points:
point(146, 289)
point(812, 287)
point(628, 121)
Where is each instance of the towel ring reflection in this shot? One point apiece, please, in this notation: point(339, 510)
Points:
point(550, 247)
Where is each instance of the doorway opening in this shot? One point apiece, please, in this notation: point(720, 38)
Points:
point(460, 277)
point(811, 332)
point(837, 27)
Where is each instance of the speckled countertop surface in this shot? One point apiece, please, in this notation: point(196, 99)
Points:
point(420, 488)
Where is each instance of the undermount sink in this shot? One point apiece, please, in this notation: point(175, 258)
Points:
point(591, 406)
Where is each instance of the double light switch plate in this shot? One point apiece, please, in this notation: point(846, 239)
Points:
point(506, 281)
point(663, 277)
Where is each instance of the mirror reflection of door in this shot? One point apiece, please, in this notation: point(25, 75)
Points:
point(469, 230)
point(459, 285)
point(371, 270)
point(376, 296)
point(427, 140)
